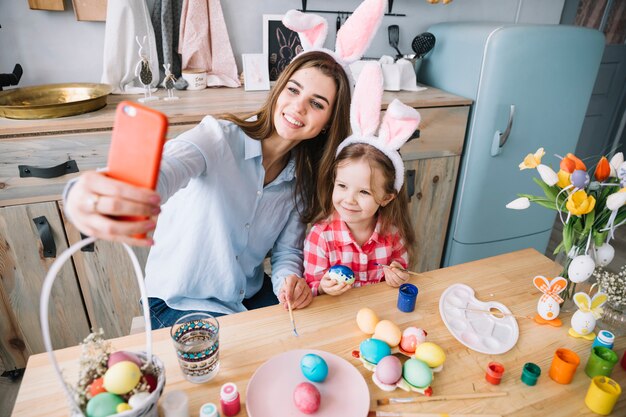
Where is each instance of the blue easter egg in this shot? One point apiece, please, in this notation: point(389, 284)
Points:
point(314, 367)
point(373, 350)
point(579, 178)
point(341, 273)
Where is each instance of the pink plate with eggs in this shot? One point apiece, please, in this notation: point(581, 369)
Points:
point(270, 390)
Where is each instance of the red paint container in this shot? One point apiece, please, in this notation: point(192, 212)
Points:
point(494, 373)
point(229, 400)
point(623, 362)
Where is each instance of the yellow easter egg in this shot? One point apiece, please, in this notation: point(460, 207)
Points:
point(122, 377)
point(122, 407)
point(388, 332)
point(366, 319)
point(430, 353)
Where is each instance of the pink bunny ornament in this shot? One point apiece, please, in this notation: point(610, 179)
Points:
point(397, 126)
point(548, 307)
point(584, 320)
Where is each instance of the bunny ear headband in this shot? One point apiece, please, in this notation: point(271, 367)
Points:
point(353, 37)
point(398, 125)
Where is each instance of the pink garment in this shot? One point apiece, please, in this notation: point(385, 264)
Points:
point(204, 42)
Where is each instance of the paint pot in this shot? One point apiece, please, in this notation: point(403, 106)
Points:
point(209, 410)
point(530, 374)
point(602, 395)
point(623, 363)
point(604, 338)
point(196, 78)
point(564, 366)
point(601, 362)
point(494, 373)
point(407, 294)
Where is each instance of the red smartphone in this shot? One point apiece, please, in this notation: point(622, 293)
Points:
point(136, 146)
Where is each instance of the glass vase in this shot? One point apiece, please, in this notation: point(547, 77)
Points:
point(613, 318)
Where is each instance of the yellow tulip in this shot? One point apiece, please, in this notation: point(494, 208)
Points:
point(564, 180)
point(531, 161)
point(580, 203)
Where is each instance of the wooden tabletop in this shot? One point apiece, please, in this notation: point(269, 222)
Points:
point(249, 339)
point(194, 105)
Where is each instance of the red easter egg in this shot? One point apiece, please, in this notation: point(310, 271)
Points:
point(151, 380)
point(307, 398)
point(96, 387)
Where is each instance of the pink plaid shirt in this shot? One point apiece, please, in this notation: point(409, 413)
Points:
point(330, 242)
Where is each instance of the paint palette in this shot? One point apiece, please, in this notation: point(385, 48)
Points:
point(481, 326)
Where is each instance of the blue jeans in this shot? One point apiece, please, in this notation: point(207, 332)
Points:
point(161, 315)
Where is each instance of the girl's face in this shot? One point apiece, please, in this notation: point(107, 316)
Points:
point(359, 192)
point(305, 105)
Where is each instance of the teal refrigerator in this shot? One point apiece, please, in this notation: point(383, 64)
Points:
point(531, 85)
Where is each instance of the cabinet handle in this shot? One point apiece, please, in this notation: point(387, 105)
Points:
point(45, 234)
point(66, 167)
point(410, 183)
point(415, 135)
point(89, 247)
point(499, 139)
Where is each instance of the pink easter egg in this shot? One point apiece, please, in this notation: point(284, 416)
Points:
point(389, 370)
point(307, 398)
point(121, 355)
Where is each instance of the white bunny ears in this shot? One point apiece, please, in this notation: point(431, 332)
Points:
point(353, 37)
point(397, 126)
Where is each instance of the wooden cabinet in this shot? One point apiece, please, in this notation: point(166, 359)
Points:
point(98, 287)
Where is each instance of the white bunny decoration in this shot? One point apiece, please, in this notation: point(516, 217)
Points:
point(584, 320)
point(548, 308)
point(397, 126)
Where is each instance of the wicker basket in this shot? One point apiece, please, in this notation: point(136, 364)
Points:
point(149, 407)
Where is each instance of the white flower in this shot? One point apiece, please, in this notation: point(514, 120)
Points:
point(616, 200)
point(547, 174)
point(521, 203)
point(616, 161)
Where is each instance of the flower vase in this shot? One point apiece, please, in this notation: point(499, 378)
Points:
point(565, 259)
point(613, 318)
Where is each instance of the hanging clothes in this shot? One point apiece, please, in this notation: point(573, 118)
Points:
point(126, 20)
point(204, 43)
point(166, 22)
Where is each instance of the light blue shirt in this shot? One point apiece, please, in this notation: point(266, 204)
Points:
point(219, 222)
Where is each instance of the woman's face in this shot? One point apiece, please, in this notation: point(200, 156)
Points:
point(305, 105)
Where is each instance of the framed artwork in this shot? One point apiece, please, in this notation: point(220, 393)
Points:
point(280, 44)
point(255, 72)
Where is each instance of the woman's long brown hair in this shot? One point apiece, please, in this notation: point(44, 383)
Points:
point(312, 156)
point(396, 213)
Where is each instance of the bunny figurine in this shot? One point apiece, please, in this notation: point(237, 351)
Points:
point(143, 72)
point(548, 306)
point(584, 320)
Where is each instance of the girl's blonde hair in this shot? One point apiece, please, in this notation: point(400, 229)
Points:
point(396, 213)
point(312, 156)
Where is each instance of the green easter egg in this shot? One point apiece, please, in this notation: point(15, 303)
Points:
point(103, 405)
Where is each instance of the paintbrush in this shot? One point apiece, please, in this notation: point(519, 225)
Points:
point(387, 401)
point(403, 414)
point(495, 312)
point(415, 274)
point(293, 322)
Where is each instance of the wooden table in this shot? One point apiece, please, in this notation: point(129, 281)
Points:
point(249, 339)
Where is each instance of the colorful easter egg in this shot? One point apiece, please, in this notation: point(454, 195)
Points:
point(430, 353)
point(373, 350)
point(604, 254)
point(579, 179)
point(417, 373)
point(307, 398)
point(314, 367)
point(137, 400)
point(122, 377)
point(411, 338)
point(103, 405)
point(341, 273)
point(389, 370)
point(121, 355)
point(152, 381)
point(96, 387)
point(581, 268)
point(123, 407)
point(388, 331)
point(367, 320)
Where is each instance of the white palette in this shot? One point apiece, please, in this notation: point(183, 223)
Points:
point(482, 332)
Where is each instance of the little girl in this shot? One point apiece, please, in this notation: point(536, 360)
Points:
point(364, 221)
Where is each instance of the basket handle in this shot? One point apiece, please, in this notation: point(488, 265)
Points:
point(45, 298)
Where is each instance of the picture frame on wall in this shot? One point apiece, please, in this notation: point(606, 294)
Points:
point(255, 72)
point(280, 44)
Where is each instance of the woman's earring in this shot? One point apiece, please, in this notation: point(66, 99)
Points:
point(324, 129)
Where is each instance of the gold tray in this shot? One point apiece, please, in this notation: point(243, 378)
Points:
point(53, 100)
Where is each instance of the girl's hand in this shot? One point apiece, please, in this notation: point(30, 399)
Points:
point(95, 197)
point(395, 274)
point(331, 287)
point(298, 292)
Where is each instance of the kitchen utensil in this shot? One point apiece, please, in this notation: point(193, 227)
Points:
point(423, 43)
point(394, 38)
point(53, 100)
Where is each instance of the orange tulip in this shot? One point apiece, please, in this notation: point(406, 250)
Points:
point(579, 164)
point(568, 165)
point(603, 170)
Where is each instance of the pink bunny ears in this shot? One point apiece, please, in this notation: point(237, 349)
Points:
point(353, 37)
point(397, 126)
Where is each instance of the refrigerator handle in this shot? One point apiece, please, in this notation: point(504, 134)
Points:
point(499, 139)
